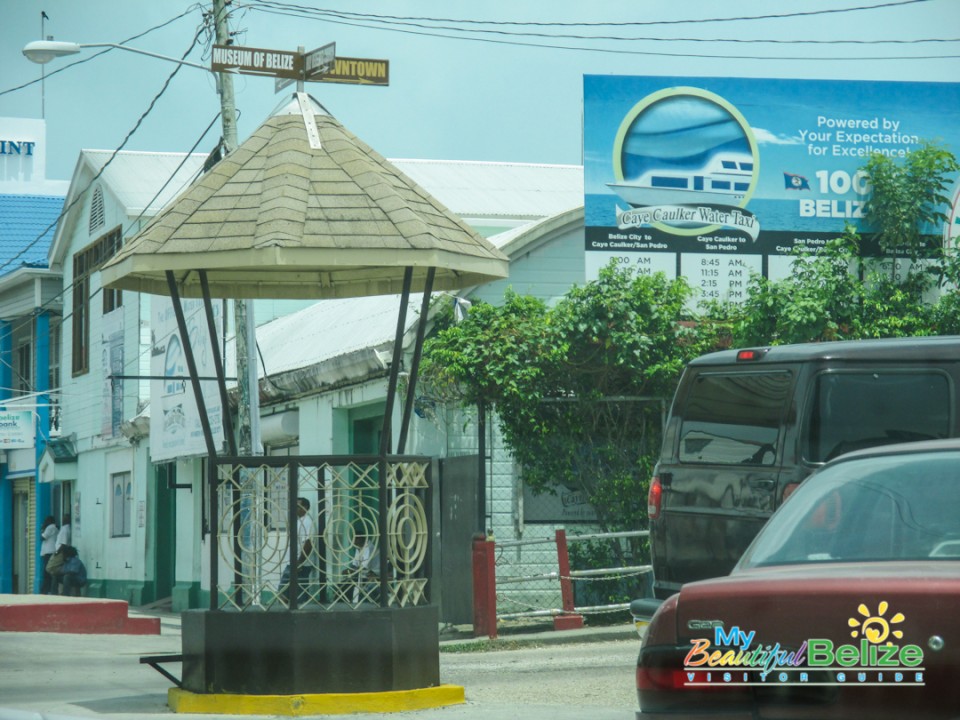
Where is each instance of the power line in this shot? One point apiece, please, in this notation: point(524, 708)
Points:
point(96, 177)
point(70, 287)
point(273, 8)
point(421, 23)
point(101, 52)
point(620, 23)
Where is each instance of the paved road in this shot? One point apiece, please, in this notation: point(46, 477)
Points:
point(47, 675)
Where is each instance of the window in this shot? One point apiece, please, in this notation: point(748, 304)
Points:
point(81, 323)
point(668, 182)
point(23, 381)
point(85, 263)
point(734, 418)
point(743, 187)
point(54, 372)
point(121, 504)
point(854, 410)
point(720, 184)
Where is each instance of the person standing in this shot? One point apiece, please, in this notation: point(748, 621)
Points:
point(305, 533)
point(64, 536)
point(48, 546)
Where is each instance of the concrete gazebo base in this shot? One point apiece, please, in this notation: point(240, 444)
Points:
point(308, 651)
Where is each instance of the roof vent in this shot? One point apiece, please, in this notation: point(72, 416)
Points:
point(96, 211)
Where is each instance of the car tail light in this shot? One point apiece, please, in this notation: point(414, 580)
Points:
point(788, 490)
point(659, 678)
point(654, 498)
point(664, 678)
point(751, 355)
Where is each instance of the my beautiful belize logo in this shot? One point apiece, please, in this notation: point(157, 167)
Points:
point(732, 658)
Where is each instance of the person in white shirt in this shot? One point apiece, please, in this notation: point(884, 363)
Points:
point(363, 573)
point(305, 534)
point(63, 537)
point(48, 546)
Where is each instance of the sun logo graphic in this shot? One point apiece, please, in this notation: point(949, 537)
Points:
point(876, 628)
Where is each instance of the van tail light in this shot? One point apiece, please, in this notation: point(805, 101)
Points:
point(654, 498)
point(751, 355)
point(788, 490)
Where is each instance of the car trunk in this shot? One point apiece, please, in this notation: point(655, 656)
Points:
point(840, 604)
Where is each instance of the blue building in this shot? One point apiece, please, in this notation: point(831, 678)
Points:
point(30, 316)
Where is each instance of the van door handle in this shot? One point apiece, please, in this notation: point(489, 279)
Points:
point(761, 483)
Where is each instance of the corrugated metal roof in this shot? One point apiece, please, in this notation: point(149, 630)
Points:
point(24, 219)
point(498, 189)
point(468, 188)
point(145, 181)
point(329, 329)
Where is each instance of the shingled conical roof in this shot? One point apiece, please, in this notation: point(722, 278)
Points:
point(303, 209)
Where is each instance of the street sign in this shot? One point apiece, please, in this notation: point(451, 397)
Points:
point(320, 61)
point(357, 71)
point(257, 61)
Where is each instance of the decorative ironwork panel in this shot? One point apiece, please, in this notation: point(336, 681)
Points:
point(308, 532)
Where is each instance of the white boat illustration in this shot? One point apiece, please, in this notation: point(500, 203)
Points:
point(723, 180)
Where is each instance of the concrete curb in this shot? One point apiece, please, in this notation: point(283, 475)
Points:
point(181, 701)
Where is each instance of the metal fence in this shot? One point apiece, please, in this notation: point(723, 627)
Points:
point(543, 594)
point(364, 532)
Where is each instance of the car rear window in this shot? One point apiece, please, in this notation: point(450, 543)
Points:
point(856, 410)
point(734, 418)
point(896, 507)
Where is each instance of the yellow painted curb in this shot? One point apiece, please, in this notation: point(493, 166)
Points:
point(182, 701)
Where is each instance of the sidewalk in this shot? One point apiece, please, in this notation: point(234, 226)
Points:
point(60, 614)
point(56, 675)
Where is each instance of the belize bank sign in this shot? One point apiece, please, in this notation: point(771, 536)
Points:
point(715, 178)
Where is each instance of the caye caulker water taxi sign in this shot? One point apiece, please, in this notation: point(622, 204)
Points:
point(715, 178)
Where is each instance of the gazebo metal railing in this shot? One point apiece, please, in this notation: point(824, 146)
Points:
point(367, 532)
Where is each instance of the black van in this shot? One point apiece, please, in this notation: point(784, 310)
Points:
point(746, 426)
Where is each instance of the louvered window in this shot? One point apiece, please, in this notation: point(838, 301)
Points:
point(85, 262)
point(96, 211)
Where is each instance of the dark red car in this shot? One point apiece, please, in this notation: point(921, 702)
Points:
point(844, 606)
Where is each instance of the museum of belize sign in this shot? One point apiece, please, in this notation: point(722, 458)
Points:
point(715, 178)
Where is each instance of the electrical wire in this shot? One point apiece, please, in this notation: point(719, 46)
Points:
point(275, 8)
point(421, 23)
point(96, 177)
point(619, 23)
point(101, 52)
point(133, 222)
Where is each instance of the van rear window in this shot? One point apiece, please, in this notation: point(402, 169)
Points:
point(734, 418)
point(855, 410)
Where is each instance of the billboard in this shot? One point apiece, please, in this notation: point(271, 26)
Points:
point(175, 428)
point(715, 178)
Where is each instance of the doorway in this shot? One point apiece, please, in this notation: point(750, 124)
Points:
point(165, 523)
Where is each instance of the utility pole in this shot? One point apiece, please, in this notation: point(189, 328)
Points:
point(248, 406)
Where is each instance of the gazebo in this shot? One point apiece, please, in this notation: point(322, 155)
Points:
point(304, 209)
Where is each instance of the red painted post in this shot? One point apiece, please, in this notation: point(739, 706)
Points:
point(569, 620)
point(484, 587)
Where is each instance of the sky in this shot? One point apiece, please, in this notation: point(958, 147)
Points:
point(513, 94)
